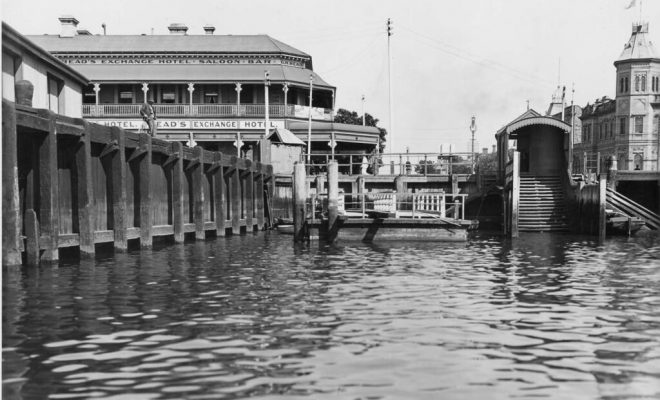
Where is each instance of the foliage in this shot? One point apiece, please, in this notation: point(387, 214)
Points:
point(345, 116)
point(487, 163)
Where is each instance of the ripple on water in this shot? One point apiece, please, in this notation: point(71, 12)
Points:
point(544, 316)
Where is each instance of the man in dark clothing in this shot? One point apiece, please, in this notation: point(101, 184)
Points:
point(148, 114)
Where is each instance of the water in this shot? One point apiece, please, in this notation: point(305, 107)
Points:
point(545, 316)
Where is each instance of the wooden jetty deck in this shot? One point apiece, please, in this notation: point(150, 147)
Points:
point(70, 183)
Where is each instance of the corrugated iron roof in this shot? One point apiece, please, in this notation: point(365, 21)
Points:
point(198, 73)
point(165, 44)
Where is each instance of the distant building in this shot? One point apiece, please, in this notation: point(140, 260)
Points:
point(626, 128)
point(56, 86)
point(211, 87)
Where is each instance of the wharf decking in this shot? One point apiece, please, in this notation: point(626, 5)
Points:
point(71, 183)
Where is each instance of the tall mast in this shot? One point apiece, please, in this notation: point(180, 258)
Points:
point(389, 74)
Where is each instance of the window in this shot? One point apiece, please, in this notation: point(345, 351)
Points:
point(626, 82)
point(125, 94)
point(643, 83)
point(638, 161)
point(55, 98)
point(622, 125)
point(639, 124)
point(637, 83)
point(621, 85)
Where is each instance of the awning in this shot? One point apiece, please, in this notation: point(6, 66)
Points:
point(122, 73)
point(285, 136)
point(537, 121)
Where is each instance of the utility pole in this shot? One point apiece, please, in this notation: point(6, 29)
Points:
point(389, 74)
point(363, 115)
point(473, 128)
point(266, 87)
point(309, 125)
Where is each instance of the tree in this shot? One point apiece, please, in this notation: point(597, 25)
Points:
point(345, 116)
point(487, 163)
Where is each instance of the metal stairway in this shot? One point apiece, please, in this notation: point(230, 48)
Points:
point(541, 204)
point(622, 204)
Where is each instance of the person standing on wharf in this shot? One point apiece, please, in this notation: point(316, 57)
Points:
point(149, 115)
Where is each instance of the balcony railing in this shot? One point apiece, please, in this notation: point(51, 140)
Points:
point(207, 110)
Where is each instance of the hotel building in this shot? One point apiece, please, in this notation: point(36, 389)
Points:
point(213, 88)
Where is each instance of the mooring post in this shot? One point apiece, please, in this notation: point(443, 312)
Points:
point(602, 201)
point(178, 192)
point(259, 195)
point(333, 199)
point(219, 195)
point(515, 193)
point(198, 192)
point(118, 183)
point(300, 198)
point(11, 219)
point(248, 195)
point(48, 190)
point(362, 194)
point(235, 198)
point(146, 233)
point(85, 191)
point(33, 235)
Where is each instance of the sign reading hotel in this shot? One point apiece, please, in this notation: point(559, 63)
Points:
point(197, 124)
point(178, 60)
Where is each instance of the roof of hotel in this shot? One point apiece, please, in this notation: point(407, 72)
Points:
point(638, 46)
point(234, 44)
point(201, 72)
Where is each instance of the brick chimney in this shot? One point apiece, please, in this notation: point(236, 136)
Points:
point(69, 26)
point(209, 29)
point(178, 29)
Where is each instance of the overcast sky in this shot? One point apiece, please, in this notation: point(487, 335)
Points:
point(450, 59)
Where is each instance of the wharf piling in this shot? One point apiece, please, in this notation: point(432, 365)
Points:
point(70, 183)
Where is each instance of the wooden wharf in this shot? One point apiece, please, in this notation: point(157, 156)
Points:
point(70, 183)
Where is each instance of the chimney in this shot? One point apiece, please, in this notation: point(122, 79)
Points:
point(209, 29)
point(494, 148)
point(177, 29)
point(69, 26)
point(484, 150)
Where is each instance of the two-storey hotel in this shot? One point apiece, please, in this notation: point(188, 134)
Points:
point(219, 89)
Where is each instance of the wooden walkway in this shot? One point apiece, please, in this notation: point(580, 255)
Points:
point(67, 182)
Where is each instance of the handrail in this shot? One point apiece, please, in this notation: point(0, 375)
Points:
point(437, 204)
point(414, 164)
point(627, 206)
point(206, 110)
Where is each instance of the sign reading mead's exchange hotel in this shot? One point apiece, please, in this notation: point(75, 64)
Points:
point(201, 124)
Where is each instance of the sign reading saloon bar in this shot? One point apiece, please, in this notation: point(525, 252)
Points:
point(201, 124)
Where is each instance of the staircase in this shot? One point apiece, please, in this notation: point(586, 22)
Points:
point(541, 204)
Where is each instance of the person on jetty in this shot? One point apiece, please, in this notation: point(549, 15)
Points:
point(148, 114)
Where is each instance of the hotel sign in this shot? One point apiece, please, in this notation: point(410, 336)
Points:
point(177, 60)
point(190, 124)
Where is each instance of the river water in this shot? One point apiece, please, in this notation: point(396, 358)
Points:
point(543, 316)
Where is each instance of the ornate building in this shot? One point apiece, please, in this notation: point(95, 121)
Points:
point(210, 88)
point(626, 128)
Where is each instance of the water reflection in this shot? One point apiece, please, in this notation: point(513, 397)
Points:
point(541, 316)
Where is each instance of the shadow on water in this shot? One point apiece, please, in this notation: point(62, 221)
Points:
point(255, 315)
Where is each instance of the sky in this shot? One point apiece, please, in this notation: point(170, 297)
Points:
point(450, 60)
